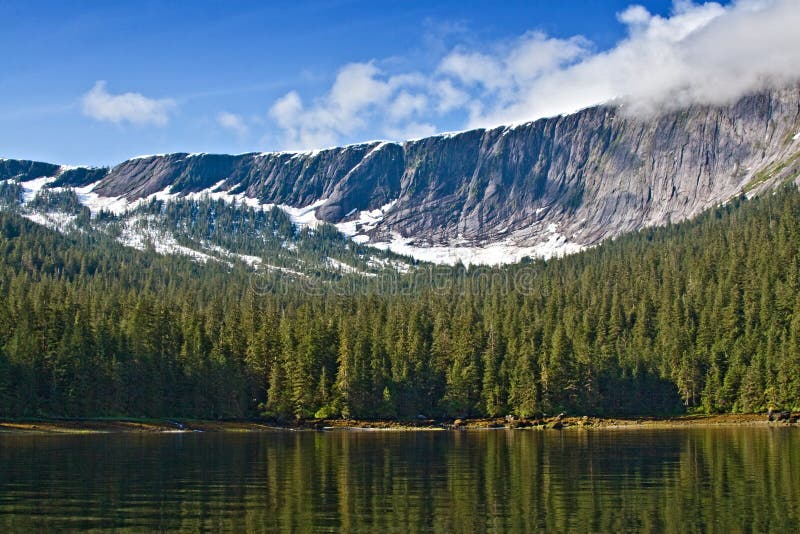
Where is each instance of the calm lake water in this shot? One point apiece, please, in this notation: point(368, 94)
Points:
point(693, 480)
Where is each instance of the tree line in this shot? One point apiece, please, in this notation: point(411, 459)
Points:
point(697, 316)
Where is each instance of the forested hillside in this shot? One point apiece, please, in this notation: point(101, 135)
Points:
point(702, 315)
point(208, 229)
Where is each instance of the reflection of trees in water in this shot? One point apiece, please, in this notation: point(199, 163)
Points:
point(490, 481)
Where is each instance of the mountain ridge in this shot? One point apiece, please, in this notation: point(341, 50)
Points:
point(541, 188)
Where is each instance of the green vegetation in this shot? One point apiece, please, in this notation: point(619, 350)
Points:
point(765, 174)
point(10, 194)
point(224, 232)
point(701, 316)
point(64, 201)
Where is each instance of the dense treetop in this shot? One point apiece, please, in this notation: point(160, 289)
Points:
point(704, 315)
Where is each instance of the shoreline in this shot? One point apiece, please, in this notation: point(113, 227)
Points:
point(132, 425)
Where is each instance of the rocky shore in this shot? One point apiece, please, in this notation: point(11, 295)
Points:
point(560, 422)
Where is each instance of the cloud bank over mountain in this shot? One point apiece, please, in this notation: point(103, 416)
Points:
point(703, 53)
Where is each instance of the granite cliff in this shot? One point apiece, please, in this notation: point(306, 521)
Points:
point(545, 187)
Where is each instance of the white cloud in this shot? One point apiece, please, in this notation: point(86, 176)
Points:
point(299, 129)
point(449, 96)
point(474, 68)
point(411, 130)
point(362, 95)
point(634, 15)
point(524, 59)
point(407, 104)
point(700, 53)
point(232, 122)
point(357, 86)
point(134, 108)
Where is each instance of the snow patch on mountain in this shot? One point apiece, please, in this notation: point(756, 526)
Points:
point(383, 263)
point(337, 265)
point(147, 156)
point(283, 270)
point(506, 251)
point(96, 203)
point(32, 187)
point(302, 217)
point(340, 266)
point(55, 220)
point(251, 261)
point(138, 233)
point(366, 221)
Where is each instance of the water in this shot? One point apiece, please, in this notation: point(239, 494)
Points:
point(692, 480)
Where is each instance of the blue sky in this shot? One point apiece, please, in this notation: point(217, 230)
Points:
point(97, 82)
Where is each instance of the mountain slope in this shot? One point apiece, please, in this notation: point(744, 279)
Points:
point(266, 242)
point(492, 196)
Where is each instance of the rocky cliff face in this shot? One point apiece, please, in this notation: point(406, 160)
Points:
point(569, 180)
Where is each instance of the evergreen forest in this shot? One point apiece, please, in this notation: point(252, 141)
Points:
point(702, 316)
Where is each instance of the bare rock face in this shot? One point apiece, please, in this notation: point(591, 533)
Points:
point(596, 173)
point(23, 170)
point(589, 176)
